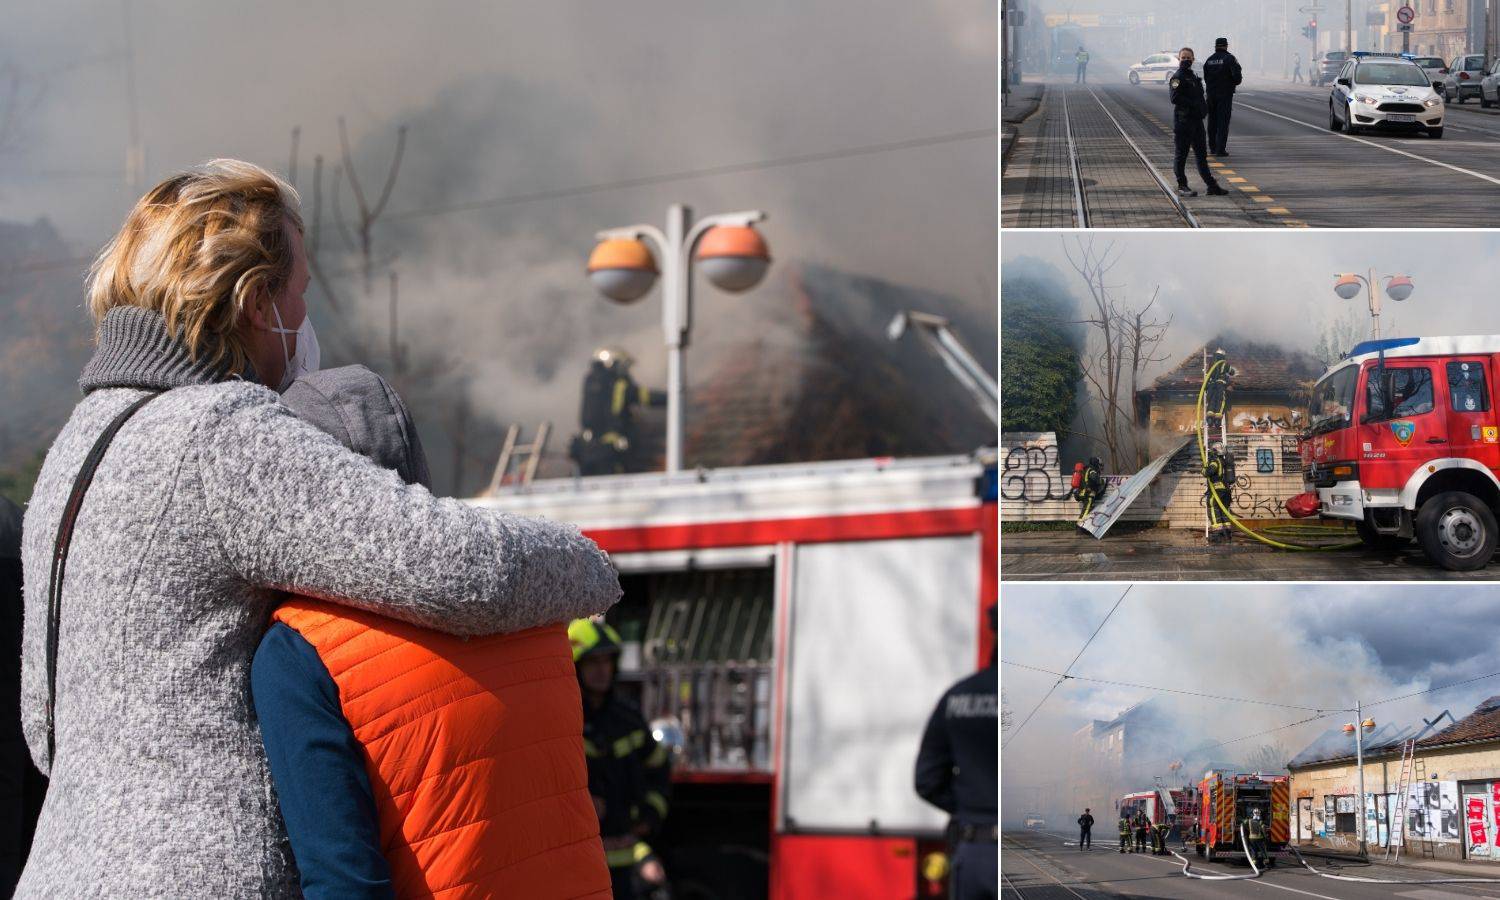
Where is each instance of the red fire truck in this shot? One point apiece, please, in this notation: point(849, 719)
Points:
point(1404, 440)
point(1161, 805)
point(1226, 802)
point(790, 629)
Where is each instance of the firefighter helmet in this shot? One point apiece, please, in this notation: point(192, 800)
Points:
point(613, 356)
point(1095, 463)
point(590, 638)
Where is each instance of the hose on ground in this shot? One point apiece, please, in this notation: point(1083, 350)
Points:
point(1201, 427)
point(1365, 880)
point(1187, 866)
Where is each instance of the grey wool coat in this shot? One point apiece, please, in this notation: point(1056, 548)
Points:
point(211, 501)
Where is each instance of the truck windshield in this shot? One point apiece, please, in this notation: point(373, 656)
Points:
point(1332, 399)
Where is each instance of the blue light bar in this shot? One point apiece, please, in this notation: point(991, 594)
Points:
point(1382, 345)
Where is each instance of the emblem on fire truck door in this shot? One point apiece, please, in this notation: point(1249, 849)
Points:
point(1491, 434)
point(1403, 431)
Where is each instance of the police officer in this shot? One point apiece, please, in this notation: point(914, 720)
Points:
point(1188, 110)
point(1082, 58)
point(1092, 487)
point(629, 772)
point(1255, 834)
point(1218, 472)
point(958, 772)
point(1124, 826)
point(607, 414)
point(1221, 75)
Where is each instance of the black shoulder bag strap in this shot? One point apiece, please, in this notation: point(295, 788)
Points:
point(60, 559)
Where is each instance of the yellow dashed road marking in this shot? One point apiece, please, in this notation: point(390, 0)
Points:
point(1237, 180)
point(1248, 188)
point(1263, 199)
point(1279, 210)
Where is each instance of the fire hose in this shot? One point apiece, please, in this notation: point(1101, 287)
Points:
point(1364, 880)
point(1289, 543)
point(1245, 844)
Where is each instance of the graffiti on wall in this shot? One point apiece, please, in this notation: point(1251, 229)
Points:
point(1031, 473)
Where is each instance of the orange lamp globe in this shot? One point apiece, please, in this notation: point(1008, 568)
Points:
point(734, 257)
point(1347, 286)
point(622, 269)
point(1399, 288)
point(1349, 728)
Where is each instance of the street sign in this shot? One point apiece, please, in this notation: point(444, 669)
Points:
point(1405, 28)
point(1405, 14)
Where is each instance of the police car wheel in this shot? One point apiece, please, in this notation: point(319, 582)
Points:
point(1135, 78)
point(1457, 531)
point(1333, 119)
point(1484, 102)
point(1435, 133)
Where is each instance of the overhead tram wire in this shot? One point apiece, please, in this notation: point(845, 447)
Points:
point(1064, 676)
point(1166, 690)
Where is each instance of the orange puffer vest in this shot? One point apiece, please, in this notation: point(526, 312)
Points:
point(475, 753)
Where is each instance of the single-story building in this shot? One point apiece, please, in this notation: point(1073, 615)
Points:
point(1452, 808)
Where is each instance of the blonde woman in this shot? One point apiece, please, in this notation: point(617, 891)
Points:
point(146, 598)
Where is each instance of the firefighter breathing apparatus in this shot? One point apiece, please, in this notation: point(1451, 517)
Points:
point(1291, 533)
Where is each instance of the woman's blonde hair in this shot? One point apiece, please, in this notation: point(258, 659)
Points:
point(199, 248)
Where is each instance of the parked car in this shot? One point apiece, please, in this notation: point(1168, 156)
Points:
point(1034, 821)
point(1462, 79)
point(1156, 67)
point(1386, 92)
point(1435, 68)
point(1489, 86)
point(1329, 63)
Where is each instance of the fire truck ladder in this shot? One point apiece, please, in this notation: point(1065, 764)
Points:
point(1403, 791)
point(512, 453)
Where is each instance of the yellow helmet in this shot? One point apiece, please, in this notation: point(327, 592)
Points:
point(590, 638)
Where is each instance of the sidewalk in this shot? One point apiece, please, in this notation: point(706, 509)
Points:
point(1023, 100)
point(1465, 868)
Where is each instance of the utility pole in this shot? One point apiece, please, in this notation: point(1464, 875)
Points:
point(1348, 28)
point(1490, 17)
point(1359, 761)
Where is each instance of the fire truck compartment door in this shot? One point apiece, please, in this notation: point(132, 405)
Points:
point(878, 631)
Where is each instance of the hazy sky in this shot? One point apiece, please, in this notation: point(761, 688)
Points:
point(1278, 286)
point(516, 98)
point(1322, 646)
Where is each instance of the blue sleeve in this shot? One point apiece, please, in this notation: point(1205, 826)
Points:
point(319, 772)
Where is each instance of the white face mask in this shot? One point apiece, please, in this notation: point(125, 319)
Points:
point(307, 358)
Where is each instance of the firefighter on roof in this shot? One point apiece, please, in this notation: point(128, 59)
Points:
point(607, 414)
point(1218, 472)
point(629, 772)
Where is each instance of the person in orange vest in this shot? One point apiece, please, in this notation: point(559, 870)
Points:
point(409, 763)
point(629, 771)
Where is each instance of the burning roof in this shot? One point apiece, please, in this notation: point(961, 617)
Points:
point(1260, 367)
point(1334, 745)
point(1483, 724)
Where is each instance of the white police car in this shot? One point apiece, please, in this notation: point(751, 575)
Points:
point(1156, 67)
point(1386, 92)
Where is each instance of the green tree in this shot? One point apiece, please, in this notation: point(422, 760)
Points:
point(1038, 356)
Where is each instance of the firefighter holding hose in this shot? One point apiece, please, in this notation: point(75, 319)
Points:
point(1159, 838)
point(1255, 834)
point(1216, 395)
point(1218, 472)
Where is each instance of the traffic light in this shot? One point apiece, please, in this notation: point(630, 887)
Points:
point(1311, 30)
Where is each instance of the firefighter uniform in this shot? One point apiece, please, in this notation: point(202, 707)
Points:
point(1216, 394)
point(1188, 110)
point(957, 772)
point(1255, 834)
point(629, 772)
point(607, 415)
point(1142, 833)
point(1221, 75)
point(1091, 486)
point(1159, 839)
point(1124, 826)
point(1218, 472)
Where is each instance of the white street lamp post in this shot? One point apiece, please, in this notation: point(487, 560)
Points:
point(1397, 287)
point(734, 257)
point(1358, 728)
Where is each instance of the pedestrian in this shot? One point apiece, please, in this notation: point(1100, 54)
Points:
point(629, 772)
point(958, 772)
point(1124, 826)
point(1221, 75)
point(373, 726)
point(1082, 58)
point(1296, 68)
point(1086, 830)
point(1188, 110)
point(209, 498)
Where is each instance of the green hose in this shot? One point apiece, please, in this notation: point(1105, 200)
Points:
point(1200, 428)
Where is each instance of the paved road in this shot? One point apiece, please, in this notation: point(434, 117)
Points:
point(1287, 167)
point(1042, 866)
point(1162, 554)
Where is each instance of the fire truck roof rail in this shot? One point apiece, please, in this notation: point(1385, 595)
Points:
point(1442, 345)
